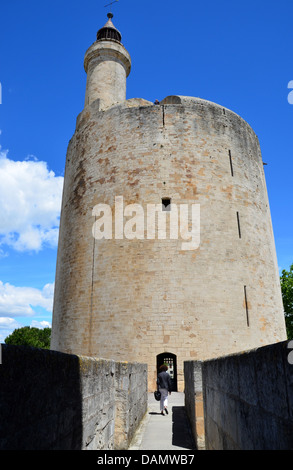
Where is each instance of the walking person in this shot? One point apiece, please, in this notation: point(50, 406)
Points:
point(164, 386)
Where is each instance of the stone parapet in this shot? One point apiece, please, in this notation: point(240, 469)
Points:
point(55, 401)
point(247, 399)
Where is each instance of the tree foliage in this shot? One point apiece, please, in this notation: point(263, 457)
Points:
point(287, 294)
point(30, 336)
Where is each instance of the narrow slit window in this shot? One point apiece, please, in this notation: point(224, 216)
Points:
point(231, 163)
point(238, 223)
point(166, 204)
point(246, 306)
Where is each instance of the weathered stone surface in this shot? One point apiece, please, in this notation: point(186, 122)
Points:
point(247, 399)
point(194, 403)
point(107, 64)
point(134, 299)
point(50, 400)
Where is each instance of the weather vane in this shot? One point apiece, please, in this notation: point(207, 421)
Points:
point(115, 1)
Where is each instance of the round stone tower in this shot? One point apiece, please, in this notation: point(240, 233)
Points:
point(166, 249)
point(107, 64)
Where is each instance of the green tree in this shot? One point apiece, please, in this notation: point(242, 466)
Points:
point(287, 294)
point(30, 336)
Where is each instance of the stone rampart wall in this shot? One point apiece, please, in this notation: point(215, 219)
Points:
point(50, 400)
point(194, 401)
point(247, 399)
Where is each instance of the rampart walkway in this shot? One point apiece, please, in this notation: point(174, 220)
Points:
point(169, 432)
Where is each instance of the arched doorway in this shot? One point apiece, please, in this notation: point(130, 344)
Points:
point(171, 361)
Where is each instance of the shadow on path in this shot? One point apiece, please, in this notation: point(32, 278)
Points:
point(181, 432)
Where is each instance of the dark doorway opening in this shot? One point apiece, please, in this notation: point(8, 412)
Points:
point(171, 361)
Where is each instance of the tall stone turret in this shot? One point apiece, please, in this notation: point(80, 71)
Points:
point(107, 64)
point(197, 287)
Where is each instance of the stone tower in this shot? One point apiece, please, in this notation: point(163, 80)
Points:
point(166, 249)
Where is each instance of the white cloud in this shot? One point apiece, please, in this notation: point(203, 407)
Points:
point(3, 254)
point(7, 325)
point(30, 203)
point(18, 301)
point(40, 324)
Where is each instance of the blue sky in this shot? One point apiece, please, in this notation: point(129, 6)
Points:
point(237, 54)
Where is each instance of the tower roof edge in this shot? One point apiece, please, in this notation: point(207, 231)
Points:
point(109, 31)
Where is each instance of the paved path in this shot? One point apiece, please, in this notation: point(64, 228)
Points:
point(169, 432)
